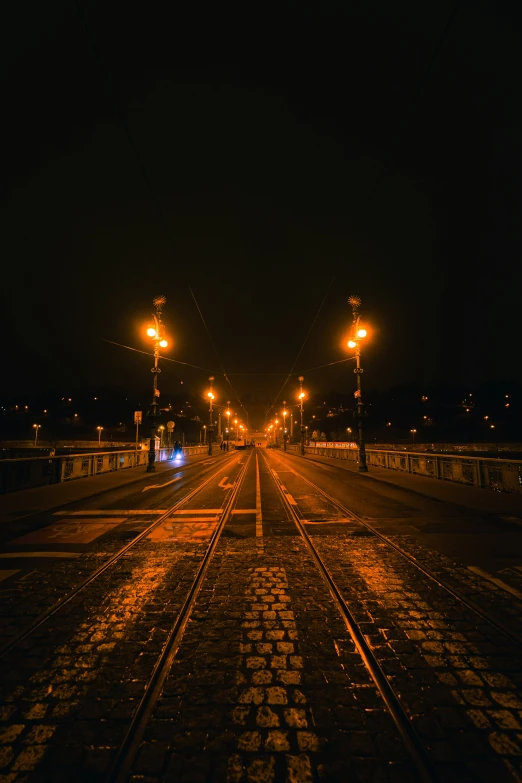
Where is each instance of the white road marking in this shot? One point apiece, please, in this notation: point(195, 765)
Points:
point(223, 485)
point(208, 462)
point(38, 554)
point(158, 486)
point(245, 511)
point(199, 511)
point(111, 512)
point(259, 518)
point(290, 499)
point(190, 519)
point(327, 521)
point(495, 581)
point(4, 574)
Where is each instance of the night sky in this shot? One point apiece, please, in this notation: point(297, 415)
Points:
point(265, 160)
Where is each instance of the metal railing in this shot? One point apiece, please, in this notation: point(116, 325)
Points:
point(25, 473)
point(496, 474)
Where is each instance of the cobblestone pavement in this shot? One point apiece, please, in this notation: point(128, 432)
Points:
point(267, 684)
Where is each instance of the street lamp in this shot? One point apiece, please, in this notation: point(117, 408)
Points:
point(161, 428)
point(99, 434)
point(210, 395)
point(204, 434)
point(36, 428)
point(413, 436)
point(301, 402)
point(227, 414)
point(156, 331)
point(358, 333)
point(284, 425)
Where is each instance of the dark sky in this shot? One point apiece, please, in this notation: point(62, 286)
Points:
point(257, 158)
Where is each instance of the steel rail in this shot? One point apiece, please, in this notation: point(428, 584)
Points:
point(44, 616)
point(399, 716)
point(122, 765)
point(468, 602)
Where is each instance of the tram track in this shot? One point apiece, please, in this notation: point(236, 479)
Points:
point(44, 616)
point(392, 701)
point(130, 746)
point(513, 637)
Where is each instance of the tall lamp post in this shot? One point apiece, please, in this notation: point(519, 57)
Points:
point(99, 434)
point(36, 428)
point(227, 414)
point(156, 331)
point(284, 425)
point(210, 395)
point(301, 402)
point(358, 334)
point(276, 441)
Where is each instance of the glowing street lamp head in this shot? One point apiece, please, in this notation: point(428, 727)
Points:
point(361, 333)
point(302, 396)
point(151, 332)
point(210, 396)
point(352, 344)
point(163, 343)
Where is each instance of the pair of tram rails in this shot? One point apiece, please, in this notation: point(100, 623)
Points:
point(129, 748)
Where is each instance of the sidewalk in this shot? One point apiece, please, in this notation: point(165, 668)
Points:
point(15, 505)
point(506, 504)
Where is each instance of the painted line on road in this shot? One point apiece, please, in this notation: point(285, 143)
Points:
point(199, 511)
point(38, 554)
point(190, 519)
point(259, 517)
point(327, 521)
point(5, 574)
point(111, 512)
point(159, 486)
point(245, 511)
point(495, 581)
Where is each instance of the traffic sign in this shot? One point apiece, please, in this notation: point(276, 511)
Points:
point(138, 417)
point(171, 425)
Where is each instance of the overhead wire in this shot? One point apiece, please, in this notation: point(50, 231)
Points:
point(301, 348)
point(148, 182)
point(216, 351)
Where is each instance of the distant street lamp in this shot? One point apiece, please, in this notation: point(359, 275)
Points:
point(358, 333)
point(275, 430)
point(161, 429)
point(301, 402)
point(36, 428)
point(413, 432)
point(156, 331)
point(210, 395)
point(99, 434)
point(284, 425)
point(204, 434)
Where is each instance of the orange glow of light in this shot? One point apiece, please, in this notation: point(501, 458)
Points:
point(163, 343)
point(362, 333)
point(352, 344)
point(151, 332)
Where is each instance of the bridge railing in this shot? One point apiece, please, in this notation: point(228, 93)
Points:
point(25, 473)
point(496, 474)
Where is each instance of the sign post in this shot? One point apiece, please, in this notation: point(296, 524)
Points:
point(138, 419)
point(170, 430)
